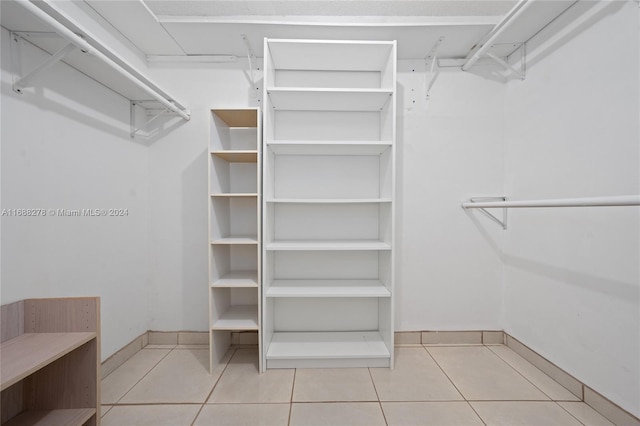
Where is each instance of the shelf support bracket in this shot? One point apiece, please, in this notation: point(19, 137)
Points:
point(251, 56)
point(432, 67)
point(132, 114)
point(507, 66)
point(502, 222)
point(24, 81)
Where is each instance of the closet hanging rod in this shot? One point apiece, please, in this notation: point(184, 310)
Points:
point(83, 45)
point(625, 200)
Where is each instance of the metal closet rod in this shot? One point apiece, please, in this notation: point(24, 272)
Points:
point(624, 200)
point(83, 45)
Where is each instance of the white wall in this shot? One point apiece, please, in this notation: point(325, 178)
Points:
point(179, 191)
point(65, 145)
point(449, 149)
point(572, 276)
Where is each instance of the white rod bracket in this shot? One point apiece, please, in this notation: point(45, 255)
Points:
point(251, 56)
point(507, 66)
point(133, 128)
point(485, 44)
point(502, 222)
point(432, 67)
point(20, 83)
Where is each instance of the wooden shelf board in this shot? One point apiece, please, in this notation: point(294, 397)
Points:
point(238, 117)
point(327, 288)
point(238, 317)
point(327, 345)
point(237, 156)
point(330, 99)
point(29, 352)
point(236, 195)
point(66, 416)
point(237, 279)
point(284, 147)
point(235, 240)
point(329, 200)
point(328, 245)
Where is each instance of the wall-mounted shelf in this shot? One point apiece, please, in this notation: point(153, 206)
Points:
point(46, 26)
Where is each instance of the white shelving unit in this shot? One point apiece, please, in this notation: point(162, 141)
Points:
point(328, 203)
point(234, 226)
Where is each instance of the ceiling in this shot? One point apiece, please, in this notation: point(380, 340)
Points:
point(215, 27)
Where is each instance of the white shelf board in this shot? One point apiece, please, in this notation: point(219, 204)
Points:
point(17, 18)
point(327, 345)
point(329, 99)
point(327, 288)
point(236, 240)
point(330, 54)
point(238, 317)
point(329, 200)
point(237, 279)
point(236, 195)
point(283, 147)
point(328, 245)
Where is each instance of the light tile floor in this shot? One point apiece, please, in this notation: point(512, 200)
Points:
point(430, 385)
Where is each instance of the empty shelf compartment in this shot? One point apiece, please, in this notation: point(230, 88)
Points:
point(238, 317)
point(237, 279)
point(327, 288)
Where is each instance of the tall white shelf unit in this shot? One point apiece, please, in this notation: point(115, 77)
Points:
point(234, 226)
point(328, 203)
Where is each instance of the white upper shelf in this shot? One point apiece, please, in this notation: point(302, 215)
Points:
point(310, 99)
point(331, 55)
point(288, 147)
point(18, 19)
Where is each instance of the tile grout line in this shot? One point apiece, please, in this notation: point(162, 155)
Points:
point(474, 410)
point(373, 382)
point(213, 387)
point(454, 385)
point(571, 414)
point(523, 376)
point(293, 386)
point(141, 378)
point(443, 372)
